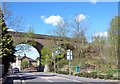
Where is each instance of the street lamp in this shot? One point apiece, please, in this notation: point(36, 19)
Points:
point(69, 58)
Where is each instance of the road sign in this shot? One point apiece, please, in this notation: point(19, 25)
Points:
point(69, 54)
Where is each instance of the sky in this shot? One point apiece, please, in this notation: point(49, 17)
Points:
point(43, 16)
point(30, 51)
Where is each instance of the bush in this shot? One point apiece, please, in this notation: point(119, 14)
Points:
point(112, 72)
point(101, 76)
point(81, 74)
point(115, 78)
point(96, 75)
point(64, 72)
point(109, 76)
point(84, 74)
point(92, 74)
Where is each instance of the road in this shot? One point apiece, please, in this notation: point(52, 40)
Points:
point(40, 77)
point(30, 78)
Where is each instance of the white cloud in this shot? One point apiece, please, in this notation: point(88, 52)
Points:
point(42, 17)
point(10, 29)
point(80, 17)
point(93, 1)
point(54, 20)
point(101, 34)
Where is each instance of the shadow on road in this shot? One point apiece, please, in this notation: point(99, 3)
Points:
point(10, 79)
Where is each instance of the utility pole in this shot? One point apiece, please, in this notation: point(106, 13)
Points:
point(54, 57)
point(70, 66)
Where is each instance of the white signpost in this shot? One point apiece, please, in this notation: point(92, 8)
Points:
point(69, 57)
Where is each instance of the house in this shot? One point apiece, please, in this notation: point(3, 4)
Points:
point(31, 63)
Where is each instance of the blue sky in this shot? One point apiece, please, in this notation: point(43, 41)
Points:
point(30, 51)
point(97, 15)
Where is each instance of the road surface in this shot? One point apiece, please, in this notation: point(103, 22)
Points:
point(48, 78)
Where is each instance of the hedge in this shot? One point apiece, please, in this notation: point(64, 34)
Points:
point(96, 75)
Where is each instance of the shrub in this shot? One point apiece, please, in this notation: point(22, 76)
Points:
point(64, 72)
point(115, 78)
point(109, 76)
point(101, 76)
point(92, 74)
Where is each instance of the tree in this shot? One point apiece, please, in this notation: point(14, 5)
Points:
point(46, 58)
point(7, 49)
point(101, 49)
point(13, 22)
point(61, 29)
point(114, 34)
point(25, 64)
point(62, 32)
point(79, 28)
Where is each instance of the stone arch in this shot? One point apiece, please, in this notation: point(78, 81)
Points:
point(38, 46)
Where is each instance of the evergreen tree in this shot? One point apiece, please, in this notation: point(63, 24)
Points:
point(7, 49)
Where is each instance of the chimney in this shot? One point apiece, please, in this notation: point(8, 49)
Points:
point(25, 55)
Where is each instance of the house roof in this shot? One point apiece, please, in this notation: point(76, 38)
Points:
point(30, 59)
point(20, 57)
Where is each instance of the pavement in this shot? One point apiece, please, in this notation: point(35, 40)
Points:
point(1, 80)
point(41, 77)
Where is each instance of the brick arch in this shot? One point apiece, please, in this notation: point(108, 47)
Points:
point(38, 46)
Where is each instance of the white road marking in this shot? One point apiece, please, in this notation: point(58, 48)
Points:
point(16, 81)
point(47, 78)
point(70, 79)
point(56, 77)
point(22, 81)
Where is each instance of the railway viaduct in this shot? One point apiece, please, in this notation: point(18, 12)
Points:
point(38, 41)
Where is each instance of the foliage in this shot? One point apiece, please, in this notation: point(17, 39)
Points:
point(113, 39)
point(7, 49)
point(24, 64)
point(95, 75)
point(64, 72)
point(61, 63)
point(28, 37)
point(46, 57)
point(78, 32)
